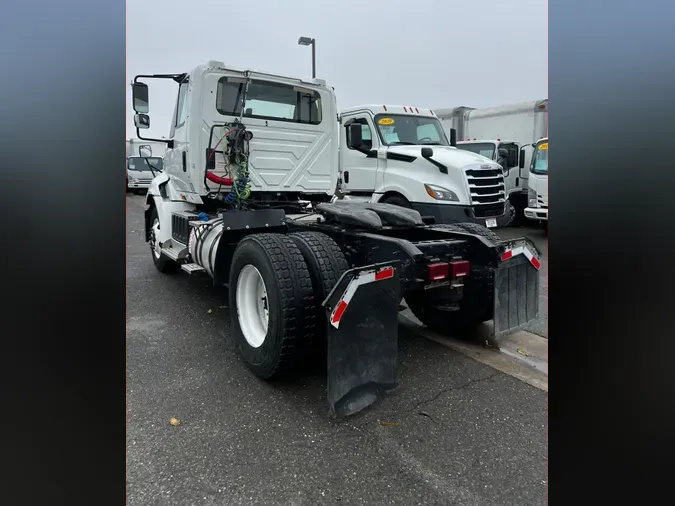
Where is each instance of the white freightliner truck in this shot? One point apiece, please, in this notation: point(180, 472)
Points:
point(537, 201)
point(505, 134)
point(144, 162)
point(403, 157)
point(245, 197)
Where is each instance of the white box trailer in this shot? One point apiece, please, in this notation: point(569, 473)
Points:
point(514, 128)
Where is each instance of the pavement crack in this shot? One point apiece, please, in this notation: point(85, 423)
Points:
point(450, 389)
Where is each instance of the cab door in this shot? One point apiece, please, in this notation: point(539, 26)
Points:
point(359, 167)
point(512, 179)
point(176, 159)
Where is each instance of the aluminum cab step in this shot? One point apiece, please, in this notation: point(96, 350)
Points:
point(174, 250)
point(192, 268)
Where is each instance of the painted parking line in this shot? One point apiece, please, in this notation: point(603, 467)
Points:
point(522, 355)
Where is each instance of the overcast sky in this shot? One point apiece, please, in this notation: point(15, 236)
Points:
point(425, 53)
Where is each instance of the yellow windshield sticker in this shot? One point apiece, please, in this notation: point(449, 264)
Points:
point(543, 146)
point(386, 121)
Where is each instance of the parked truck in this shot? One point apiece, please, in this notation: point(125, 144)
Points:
point(505, 134)
point(537, 201)
point(245, 197)
point(144, 162)
point(402, 156)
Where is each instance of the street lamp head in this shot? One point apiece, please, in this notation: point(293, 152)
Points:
point(305, 41)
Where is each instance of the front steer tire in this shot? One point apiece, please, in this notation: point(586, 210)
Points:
point(163, 263)
point(290, 304)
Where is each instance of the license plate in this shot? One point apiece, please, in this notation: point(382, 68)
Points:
point(491, 222)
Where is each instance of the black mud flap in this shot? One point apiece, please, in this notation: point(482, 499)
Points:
point(516, 286)
point(362, 314)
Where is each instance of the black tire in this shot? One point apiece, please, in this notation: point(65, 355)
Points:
point(473, 228)
point(476, 304)
point(397, 200)
point(163, 263)
point(290, 304)
point(475, 307)
point(326, 264)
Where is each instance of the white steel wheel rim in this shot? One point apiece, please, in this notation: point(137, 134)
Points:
point(252, 306)
point(155, 247)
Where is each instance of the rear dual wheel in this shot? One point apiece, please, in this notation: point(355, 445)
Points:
point(277, 284)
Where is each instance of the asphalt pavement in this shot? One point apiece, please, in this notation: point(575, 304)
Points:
point(454, 432)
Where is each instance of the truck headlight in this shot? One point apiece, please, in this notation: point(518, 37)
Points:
point(440, 193)
point(531, 198)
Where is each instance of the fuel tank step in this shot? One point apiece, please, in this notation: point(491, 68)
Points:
point(192, 268)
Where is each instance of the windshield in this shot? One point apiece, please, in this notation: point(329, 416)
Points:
point(486, 149)
point(540, 159)
point(139, 164)
point(397, 129)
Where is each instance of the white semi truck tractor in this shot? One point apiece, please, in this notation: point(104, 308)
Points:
point(403, 157)
point(245, 197)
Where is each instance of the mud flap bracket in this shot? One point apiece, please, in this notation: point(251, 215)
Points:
point(362, 319)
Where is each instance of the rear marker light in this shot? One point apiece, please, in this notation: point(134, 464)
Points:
point(438, 271)
point(460, 268)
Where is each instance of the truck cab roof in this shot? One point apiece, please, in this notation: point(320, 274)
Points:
point(212, 65)
point(390, 109)
point(493, 141)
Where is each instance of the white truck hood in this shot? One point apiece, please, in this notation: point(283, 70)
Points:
point(451, 157)
point(400, 176)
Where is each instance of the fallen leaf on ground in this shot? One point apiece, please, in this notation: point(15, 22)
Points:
point(210, 311)
point(174, 421)
point(389, 424)
point(223, 307)
point(523, 352)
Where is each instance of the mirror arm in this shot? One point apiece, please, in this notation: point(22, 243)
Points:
point(168, 142)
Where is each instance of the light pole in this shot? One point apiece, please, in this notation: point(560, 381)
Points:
point(307, 41)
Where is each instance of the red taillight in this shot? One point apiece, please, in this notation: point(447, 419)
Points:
point(438, 271)
point(444, 270)
point(460, 268)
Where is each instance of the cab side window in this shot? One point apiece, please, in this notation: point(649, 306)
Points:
point(181, 112)
point(366, 133)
